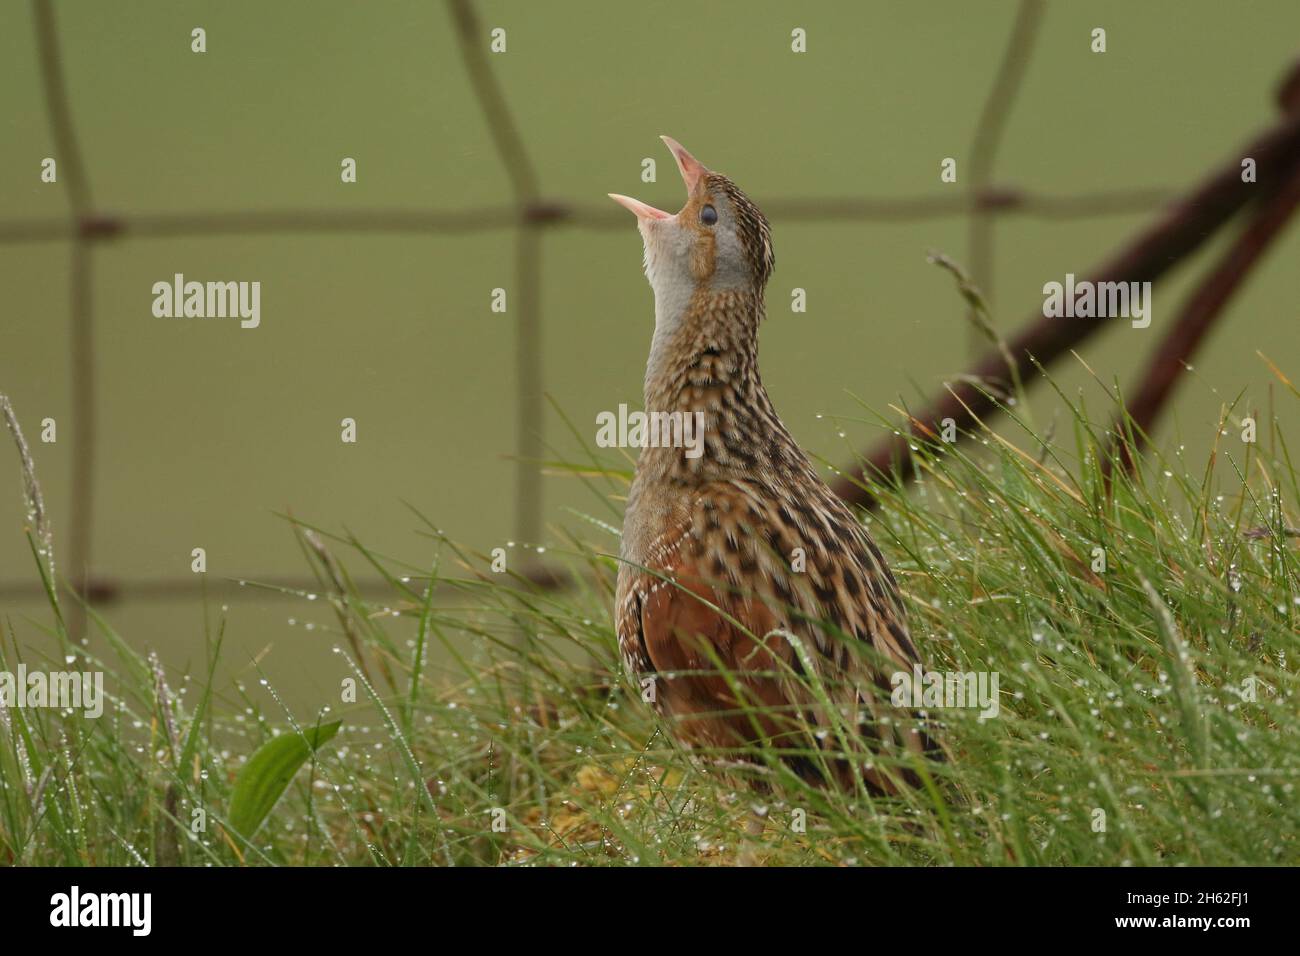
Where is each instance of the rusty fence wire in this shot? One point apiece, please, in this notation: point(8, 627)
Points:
point(530, 215)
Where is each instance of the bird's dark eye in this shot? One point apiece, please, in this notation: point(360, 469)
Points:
point(708, 215)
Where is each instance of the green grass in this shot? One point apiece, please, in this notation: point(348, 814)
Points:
point(492, 725)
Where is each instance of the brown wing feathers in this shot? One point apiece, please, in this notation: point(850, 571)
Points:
point(709, 622)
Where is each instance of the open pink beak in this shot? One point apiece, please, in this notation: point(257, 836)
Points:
point(640, 209)
point(692, 171)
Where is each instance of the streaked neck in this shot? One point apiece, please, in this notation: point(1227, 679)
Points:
point(703, 338)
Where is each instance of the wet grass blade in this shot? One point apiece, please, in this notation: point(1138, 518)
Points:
point(268, 772)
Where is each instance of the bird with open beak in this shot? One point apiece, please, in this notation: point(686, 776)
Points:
point(740, 569)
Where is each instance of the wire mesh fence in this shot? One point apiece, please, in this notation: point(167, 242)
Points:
point(530, 215)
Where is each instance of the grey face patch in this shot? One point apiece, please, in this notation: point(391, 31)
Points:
point(748, 227)
point(742, 243)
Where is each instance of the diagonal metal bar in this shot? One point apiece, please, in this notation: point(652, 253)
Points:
point(1194, 322)
point(1181, 231)
point(1202, 309)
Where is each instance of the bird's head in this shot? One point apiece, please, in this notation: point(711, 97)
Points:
point(719, 239)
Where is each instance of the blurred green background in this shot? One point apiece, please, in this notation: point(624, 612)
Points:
point(206, 430)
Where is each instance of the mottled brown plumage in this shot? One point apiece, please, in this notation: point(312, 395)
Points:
point(710, 591)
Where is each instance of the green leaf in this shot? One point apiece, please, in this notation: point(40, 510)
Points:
point(268, 772)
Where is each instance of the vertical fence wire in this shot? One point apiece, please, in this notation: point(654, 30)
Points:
point(527, 271)
point(81, 311)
